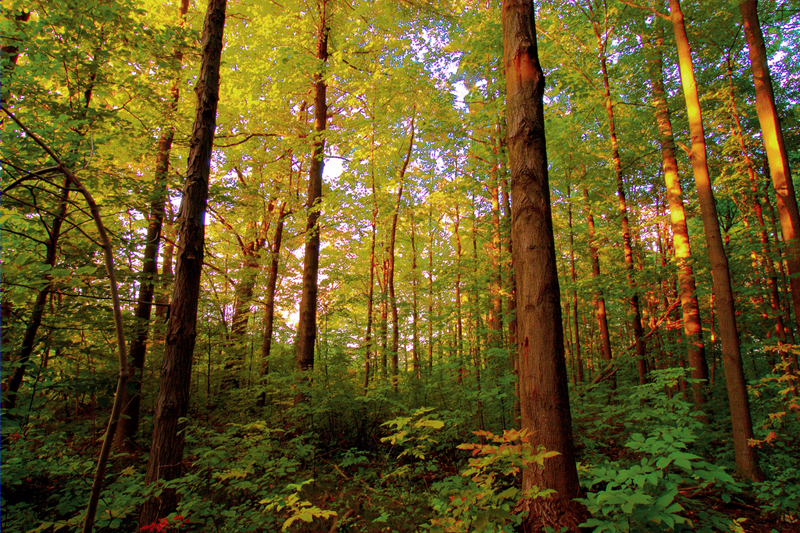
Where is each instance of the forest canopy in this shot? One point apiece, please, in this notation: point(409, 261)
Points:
point(400, 265)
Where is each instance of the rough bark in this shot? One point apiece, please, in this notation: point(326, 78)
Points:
point(544, 398)
point(166, 451)
point(746, 457)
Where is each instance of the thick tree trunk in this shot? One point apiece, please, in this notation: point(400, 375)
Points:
point(746, 457)
point(692, 326)
point(544, 396)
point(307, 325)
point(129, 421)
point(166, 451)
point(776, 147)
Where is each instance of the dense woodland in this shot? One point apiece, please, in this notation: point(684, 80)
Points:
point(312, 266)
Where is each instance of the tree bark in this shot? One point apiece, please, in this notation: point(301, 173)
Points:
point(692, 326)
point(166, 451)
point(307, 325)
point(775, 146)
point(544, 396)
point(746, 457)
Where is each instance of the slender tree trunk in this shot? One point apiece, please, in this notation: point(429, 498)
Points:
point(636, 316)
point(746, 457)
point(496, 315)
point(431, 294)
point(772, 276)
point(414, 299)
point(11, 388)
point(129, 421)
point(599, 299)
point(368, 340)
point(162, 300)
point(390, 252)
point(459, 325)
point(776, 147)
point(578, 370)
point(166, 451)
point(692, 326)
point(307, 325)
point(544, 396)
point(272, 285)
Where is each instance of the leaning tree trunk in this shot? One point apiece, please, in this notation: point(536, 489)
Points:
point(775, 146)
point(307, 325)
point(544, 397)
point(166, 451)
point(692, 327)
point(746, 457)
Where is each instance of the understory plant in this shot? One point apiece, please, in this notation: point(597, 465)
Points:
point(651, 485)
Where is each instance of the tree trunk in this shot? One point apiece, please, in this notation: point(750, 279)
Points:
point(578, 368)
point(166, 451)
point(544, 396)
point(414, 300)
point(636, 316)
point(391, 255)
point(272, 284)
point(692, 326)
point(307, 325)
point(599, 299)
point(746, 457)
point(11, 389)
point(129, 421)
point(775, 146)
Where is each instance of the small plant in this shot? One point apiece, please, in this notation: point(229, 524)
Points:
point(298, 509)
point(483, 497)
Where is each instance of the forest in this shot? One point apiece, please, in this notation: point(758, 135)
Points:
point(400, 266)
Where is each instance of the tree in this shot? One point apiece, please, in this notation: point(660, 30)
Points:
point(776, 147)
point(544, 399)
point(746, 457)
point(307, 326)
point(166, 451)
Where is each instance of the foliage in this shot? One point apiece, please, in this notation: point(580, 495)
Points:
point(651, 488)
point(482, 498)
